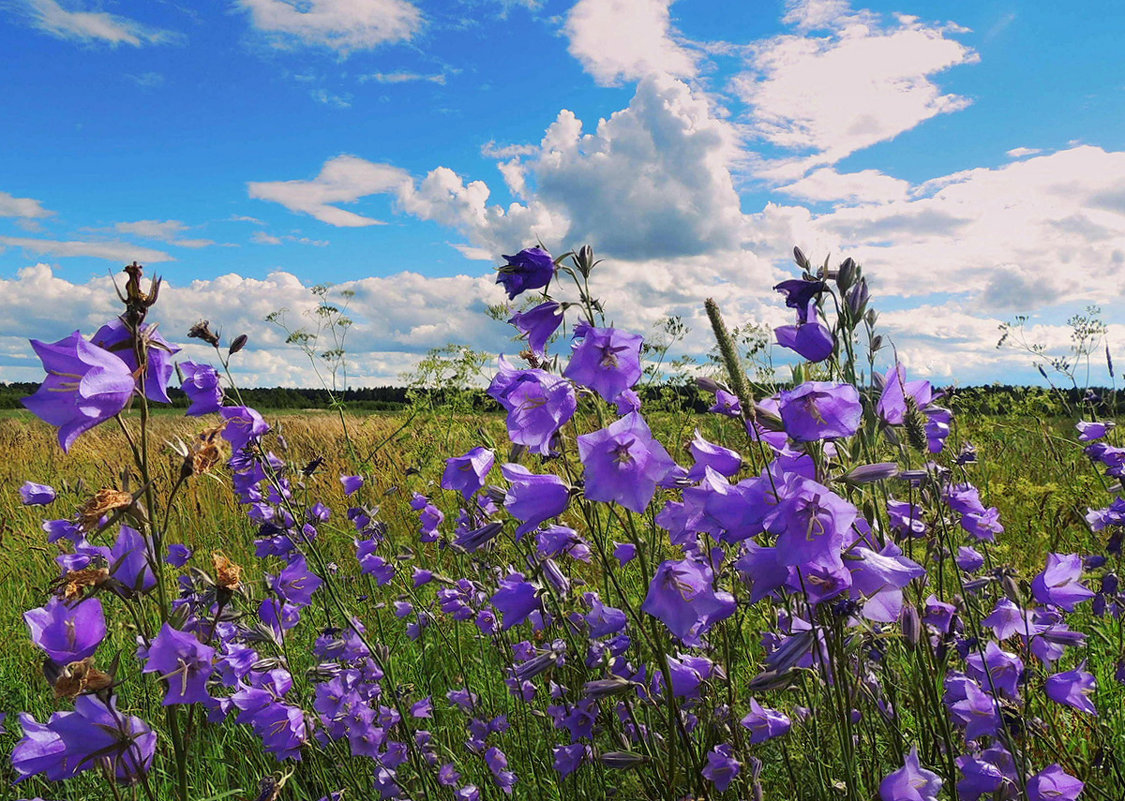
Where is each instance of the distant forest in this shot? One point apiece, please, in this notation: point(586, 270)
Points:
point(995, 399)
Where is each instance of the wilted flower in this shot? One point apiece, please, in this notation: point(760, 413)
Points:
point(86, 385)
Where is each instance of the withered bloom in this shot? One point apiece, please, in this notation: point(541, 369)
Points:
point(77, 678)
point(228, 575)
point(203, 453)
point(202, 330)
point(74, 584)
point(104, 502)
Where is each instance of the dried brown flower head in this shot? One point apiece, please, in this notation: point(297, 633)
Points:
point(104, 502)
point(228, 575)
point(202, 330)
point(74, 584)
point(81, 677)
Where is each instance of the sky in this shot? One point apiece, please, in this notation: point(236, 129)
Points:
point(970, 155)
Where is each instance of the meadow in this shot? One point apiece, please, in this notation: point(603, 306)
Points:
point(845, 591)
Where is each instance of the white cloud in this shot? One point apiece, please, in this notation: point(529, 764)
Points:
point(861, 83)
point(162, 230)
point(343, 179)
point(113, 251)
point(22, 207)
point(91, 26)
point(403, 77)
point(1020, 152)
point(865, 186)
point(343, 25)
point(263, 238)
point(618, 40)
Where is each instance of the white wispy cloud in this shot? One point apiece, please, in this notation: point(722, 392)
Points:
point(169, 231)
point(403, 77)
point(342, 25)
point(22, 207)
point(90, 27)
point(112, 251)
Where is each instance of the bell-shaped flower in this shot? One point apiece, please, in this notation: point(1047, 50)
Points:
point(201, 385)
point(809, 337)
point(707, 454)
point(515, 600)
point(85, 386)
point(819, 410)
point(538, 324)
point(682, 595)
point(116, 338)
point(623, 463)
point(900, 395)
point(538, 404)
point(1060, 582)
point(765, 723)
point(467, 473)
point(1053, 784)
point(67, 633)
point(532, 497)
point(531, 268)
point(183, 662)
point(911, 782)
point(1073, 688)
point(606, 360)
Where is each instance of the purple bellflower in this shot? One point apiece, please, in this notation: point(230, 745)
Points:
point(1053, 784)
point(116, 338)
point(911, 782)
point(683, 597)
point(623, 463)
point(85, 386)
point(32, 494)
point(538, 404)
point(538, 324)
point(531, 268)
point(467, 473)
point(183, 662)
point(67, 633)
point(201, 385)
point(809, 337)
point(533, 498)
point(819, 410)
point(606, 360)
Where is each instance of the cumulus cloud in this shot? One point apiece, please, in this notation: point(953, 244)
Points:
point(90, 27)
point(25, 208)
point(112, 251)
point(859, 83)
point(342, 25)
point(865, 186)
point(618, 40)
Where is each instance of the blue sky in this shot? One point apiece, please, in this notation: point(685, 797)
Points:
point(970, 155)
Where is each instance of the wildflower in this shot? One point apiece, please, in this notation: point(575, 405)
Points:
point(799, 293)
point(906, 518)
point(531, 268)
point(1073, 688)
point(32, 494)
point(201, 385)
point(706, 454)
point(726, 404)
point(129, 560)
point(183, 662)
point(809, 338)
point(538, 324)
point(178, 555)
point(998, 669)
point(1088, 432)
point(85, 386)
point(95, 734)
point(1059, 582)
point(67, 633)
point(627, 401)
point(981, 778)
point(721, 768)
point(568, 758)
point(900, 396)
point(764, 723)
point(538, 404)
point(515, 600)
point(819, 410)
point(970, 707)
point(243, 426)
point(296, 583)
point(116, 338)
point(623, 463)
point(606, 360)
point(878, 579)
point(533, 498)
point(810, 521)
point(624, 552)
point(1008, 619)
point(351, 484)
point(681, 595)
point(911, 782)
point(467, 473)
point(969, 559)
point(1053, 784)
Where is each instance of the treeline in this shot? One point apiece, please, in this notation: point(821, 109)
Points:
point(994, 399)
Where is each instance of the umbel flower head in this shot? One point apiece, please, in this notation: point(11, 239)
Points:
point(86, 385)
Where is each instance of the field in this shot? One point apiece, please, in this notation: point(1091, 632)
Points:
point(1029, 467)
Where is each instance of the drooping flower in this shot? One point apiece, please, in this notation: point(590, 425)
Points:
point(1060, 582)
point(85, 386)
point(623, 463)
point(296, 583)
point(1053, 784)
point(531, 268)
point(721, 768)
point(1088, 432)
point(606, 360)
point(899, 395)
point(568, 758)
point(1073, 688)
point(764, 723)
point(538, 324)
point(809, 337)
point(32, 494)
point(683, 597)
point(116, 338)
point(998, 670)
point(911, 782)
point(129, 561)
point(183, 662)
point(533, 498)
point(67, 633)
point(819, 410)
point(515, 600)
point(201, 385)
point(538, 404)
point(467, 473)
point(243, 425)
point(707, 454)
point(351, 484)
